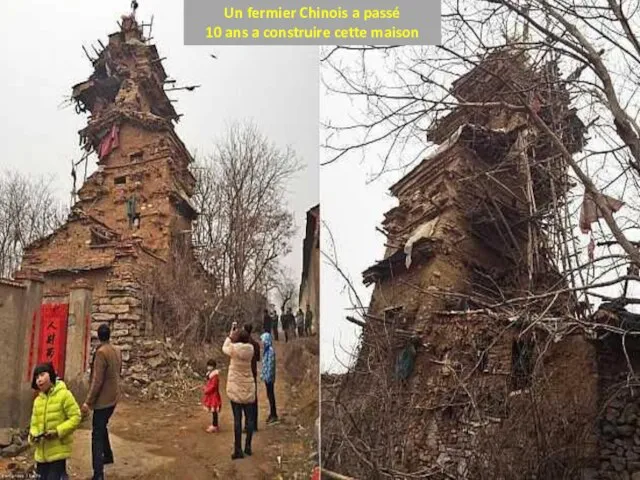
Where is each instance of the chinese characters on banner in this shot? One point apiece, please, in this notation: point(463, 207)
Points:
point(52, 346)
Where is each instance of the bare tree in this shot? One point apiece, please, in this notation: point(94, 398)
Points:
point(180, 298)
point(245, 225)
point(286, 289)
point(29, 210)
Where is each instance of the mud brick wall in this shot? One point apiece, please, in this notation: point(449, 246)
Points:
point(437, 435)
point(59, 284)
point(70, 248)
point(147, 170)
point(448, 445)
point(19, 313)
point(443, 425)
point(498, 432)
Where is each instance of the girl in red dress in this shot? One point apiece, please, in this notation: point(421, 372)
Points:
point(212, 400)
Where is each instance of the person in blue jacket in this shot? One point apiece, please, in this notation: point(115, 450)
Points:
point(268, 374)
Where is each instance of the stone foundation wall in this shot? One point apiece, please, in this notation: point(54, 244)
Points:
point(620, 439)
point(619, 424)
point(122, 310)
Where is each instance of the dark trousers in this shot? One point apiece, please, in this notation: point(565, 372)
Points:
point(275, 333)
point(52, 470)
point(254, 410)
point(214, 419)
point(238, 409)
point(300, 331)
point(271, 395)
point(100, 446)
point(286, 334)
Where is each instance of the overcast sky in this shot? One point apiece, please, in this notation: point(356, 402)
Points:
point(41, 50)
point(351, 210)
point(352, 207)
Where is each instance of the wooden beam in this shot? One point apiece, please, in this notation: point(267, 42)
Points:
point(87, 54)
point(149, 38)
point(334, 475)
point(190, 88)
point(356, 321)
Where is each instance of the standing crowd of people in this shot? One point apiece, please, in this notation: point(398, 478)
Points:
point(56, 413)
point(299, 324)
point(242, 379)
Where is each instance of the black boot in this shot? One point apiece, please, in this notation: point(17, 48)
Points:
point(247, 443)
point(237, 455)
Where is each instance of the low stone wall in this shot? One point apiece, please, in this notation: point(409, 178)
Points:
point(13, 441)
point(122, 311)
point(620, 438)
point(619, 420)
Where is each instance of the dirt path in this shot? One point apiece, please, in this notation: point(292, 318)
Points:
point(165, 440)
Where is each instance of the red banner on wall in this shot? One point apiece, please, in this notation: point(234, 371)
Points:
point(52, 346)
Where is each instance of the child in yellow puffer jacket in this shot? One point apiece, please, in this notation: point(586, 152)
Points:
point(55, 417)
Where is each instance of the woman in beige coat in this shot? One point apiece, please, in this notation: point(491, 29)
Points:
point(241, 388)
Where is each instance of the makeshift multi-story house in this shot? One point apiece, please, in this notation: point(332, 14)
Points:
point(471, 343)
point(136, 207)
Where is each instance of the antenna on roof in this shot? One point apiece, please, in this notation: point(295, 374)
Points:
point(87, 54)
point(73, 188)
point(149, 37)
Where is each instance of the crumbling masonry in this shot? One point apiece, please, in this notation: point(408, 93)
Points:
point(136, 207)
point(468, 365)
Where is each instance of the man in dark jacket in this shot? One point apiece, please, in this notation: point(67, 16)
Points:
point(274, 324)
point(308, 321)
point(266, 322)
point(291, 323)
point(285, 326)
point(254, 369)
point(103, 396)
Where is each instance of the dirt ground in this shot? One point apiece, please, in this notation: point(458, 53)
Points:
point(166, 440)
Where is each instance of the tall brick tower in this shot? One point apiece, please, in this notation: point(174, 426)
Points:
point(143, 185)
point(449, 367)
point(136, 207)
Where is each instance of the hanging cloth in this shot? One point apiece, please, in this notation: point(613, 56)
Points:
point(109, 142)
point(590, 213)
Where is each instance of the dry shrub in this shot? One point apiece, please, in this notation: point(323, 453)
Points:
point(300, 361)
point(182, 302)
point(449, 421)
